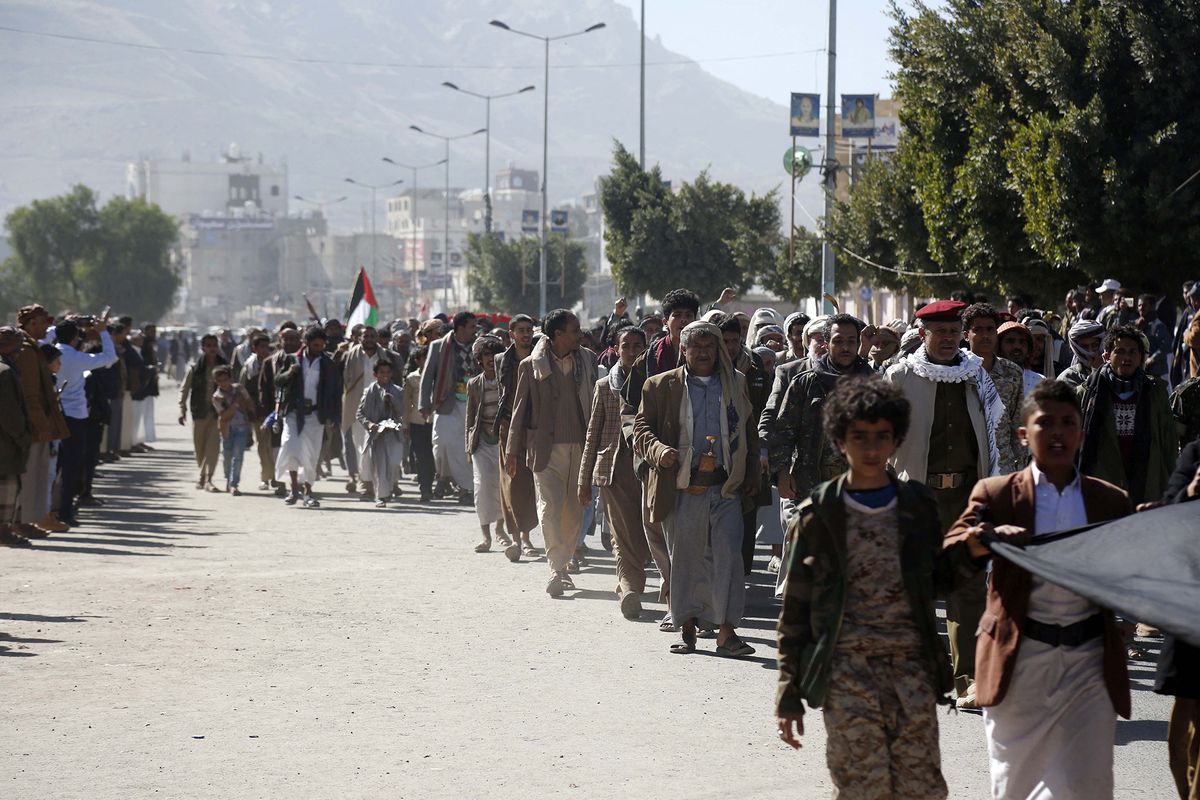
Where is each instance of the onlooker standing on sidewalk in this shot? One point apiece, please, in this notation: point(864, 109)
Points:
point(15, 437)
point(45, 419)
point(235, 415)
point(196, 395)
point(72, 454)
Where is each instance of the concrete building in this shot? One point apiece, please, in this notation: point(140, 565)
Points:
point(233, 260)
point(182, 186)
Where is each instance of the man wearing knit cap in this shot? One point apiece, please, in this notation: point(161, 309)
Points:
point(951, 444)
point(15, 437)
point(694, 430)
point(46, 421)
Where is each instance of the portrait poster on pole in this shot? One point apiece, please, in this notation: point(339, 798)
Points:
point(806, 114)
point(858, 116)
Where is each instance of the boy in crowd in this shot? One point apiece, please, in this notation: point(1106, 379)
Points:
point(858, 635)
point(1050, 669)
point(482, 443)
point(235, 413)
point(381, 414)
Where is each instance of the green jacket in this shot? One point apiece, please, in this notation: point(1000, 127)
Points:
point(1100, 456)
point(814, 596)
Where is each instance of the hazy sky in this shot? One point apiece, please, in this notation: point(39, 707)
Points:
point(717, 29)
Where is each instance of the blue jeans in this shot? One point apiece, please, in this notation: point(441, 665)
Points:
point(233, 448)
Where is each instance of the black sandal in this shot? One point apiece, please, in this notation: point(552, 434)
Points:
point(686, 644)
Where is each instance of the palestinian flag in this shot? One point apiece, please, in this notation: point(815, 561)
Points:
point(363, 308)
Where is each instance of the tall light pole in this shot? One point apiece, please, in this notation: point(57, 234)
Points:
point(320, 204)
point(373, 188)
point(544, 222)
point(446, 226)
point(642, 96)
point(487, 147)
point(831, 166)
point(414, 216)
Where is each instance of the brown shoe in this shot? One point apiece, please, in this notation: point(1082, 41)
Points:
point(53, 524)
point(29, 531)
point(10, 539)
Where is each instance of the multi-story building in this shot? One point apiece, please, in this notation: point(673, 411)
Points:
point(182, 186)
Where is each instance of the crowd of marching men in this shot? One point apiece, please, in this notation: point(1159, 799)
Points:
point(861, 456)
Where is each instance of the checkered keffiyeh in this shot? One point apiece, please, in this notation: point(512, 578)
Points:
point(10, 494)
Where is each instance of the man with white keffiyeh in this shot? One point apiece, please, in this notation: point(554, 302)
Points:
point(951, 444)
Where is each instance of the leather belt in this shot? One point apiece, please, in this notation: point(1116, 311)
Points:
point(715, 478)
point(946, 480)
point(1073, 635)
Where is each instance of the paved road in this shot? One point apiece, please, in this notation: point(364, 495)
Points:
point(186, 645)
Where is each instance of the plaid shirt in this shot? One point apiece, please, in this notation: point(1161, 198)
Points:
point(604, 438)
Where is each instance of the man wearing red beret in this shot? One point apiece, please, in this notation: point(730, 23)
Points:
point(951, 444)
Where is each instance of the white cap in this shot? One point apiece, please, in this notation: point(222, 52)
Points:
point(1109, 285)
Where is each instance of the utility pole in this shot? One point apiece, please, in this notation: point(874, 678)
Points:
point(831, 167)
point(642, 96)
point(414, 219)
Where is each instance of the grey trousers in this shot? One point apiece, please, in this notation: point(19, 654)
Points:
point(704, 538)
point(35, 484)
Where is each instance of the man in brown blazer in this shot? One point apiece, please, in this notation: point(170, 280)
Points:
point(35, 519)
point(1050, 669)
point(608, 462)
point(549, 426)
point(696, 430)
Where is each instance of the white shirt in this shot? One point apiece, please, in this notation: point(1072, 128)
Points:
point(74, 369)
point(1057, 511)
point(311, 367)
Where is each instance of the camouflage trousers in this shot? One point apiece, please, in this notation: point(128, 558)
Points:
point(882, 730)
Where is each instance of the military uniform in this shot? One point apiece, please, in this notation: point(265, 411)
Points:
point(858, 636)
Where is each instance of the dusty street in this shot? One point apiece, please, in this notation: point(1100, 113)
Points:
point(182, 644)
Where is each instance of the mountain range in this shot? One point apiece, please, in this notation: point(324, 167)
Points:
point(330, 88)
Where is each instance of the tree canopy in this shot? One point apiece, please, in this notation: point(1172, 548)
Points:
point(70, 254)
point(706, 236)
point(1044, 145)
point(503, 275)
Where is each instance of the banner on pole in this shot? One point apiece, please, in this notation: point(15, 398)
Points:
point(558, 221)
point(529, 220)
point(806, 114)
point(858, 116)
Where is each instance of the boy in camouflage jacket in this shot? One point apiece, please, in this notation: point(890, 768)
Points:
point(858, 635)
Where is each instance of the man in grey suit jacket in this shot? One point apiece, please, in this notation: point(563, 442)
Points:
point(444, 394)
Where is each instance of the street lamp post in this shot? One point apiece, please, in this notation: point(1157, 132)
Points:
point(446, 226)
point(414, 216)
point(375, 187)
point(487, 148)
point(320, 204)
point(642, 95)
point(543, 222)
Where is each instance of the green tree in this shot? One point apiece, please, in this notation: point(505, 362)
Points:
point(1044, 144)
point(706, 236)
point(503, 275)
point(794, 282)
point(67, 253)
